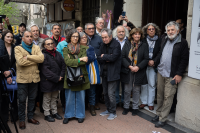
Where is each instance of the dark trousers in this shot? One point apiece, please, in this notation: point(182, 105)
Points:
point(62, 97)
point(99, 92)
point(109, 89)
point(5, 107)
point(26, 90)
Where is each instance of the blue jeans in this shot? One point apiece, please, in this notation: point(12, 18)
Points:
point(91, 94)
point(75, 104)
point(148, 91)
point(117, 93)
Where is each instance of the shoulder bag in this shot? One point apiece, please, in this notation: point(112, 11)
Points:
point(74, 76)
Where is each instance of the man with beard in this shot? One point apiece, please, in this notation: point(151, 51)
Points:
point(171, 63)
point(35, 33)
point(121, 37)
point(99, 25)
point(56, 30)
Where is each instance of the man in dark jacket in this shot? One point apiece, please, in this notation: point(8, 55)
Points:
point(95, 41)
point(172, 61)
point(109, 57)
point(18, 37)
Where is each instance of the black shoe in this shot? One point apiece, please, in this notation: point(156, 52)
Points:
point(92, 110)
point(156, 118)
point(57, 116)
point(134, 112)
point(65, 121)
point(80, 120)
point(49, 118)
point(125, 112)
point(159, 124)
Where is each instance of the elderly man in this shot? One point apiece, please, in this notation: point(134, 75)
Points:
point(99, 25)
point(28, 56)
point(95, 41)
point(171, 63)
point(79, 29)
point(109, 58)
point(35, 34)
point(56, 30)
point(120, 34)
point(18, 37)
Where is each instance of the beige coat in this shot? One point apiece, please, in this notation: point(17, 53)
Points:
point(27, 69)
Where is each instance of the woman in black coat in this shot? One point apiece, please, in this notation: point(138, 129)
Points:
point(8, 66)
point(152, 33)
point(52, 73)
point(133, 73)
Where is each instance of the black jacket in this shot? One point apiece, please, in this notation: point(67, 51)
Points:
point(142, 61)
point(18, 39)
point(7, 64)
point(2, 47)
point(180, 56)
point(112, 60)
point(156, 48)
point(50, 72)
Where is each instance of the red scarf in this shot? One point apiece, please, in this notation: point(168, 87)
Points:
point(52, 52)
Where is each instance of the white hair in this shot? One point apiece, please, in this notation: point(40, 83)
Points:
point(114, 33)
point(29, 28)
point(172, 23)
point(88, 24)
point(97, 20)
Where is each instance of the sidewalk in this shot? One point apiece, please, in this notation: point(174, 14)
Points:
point(92, 124)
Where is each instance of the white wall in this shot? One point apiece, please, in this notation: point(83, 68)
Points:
point(133, 10)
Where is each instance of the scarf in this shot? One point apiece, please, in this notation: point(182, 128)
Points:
point(52, 52)
point(151, 43)
point(74, 49)
point(133, 53)
point(27, 47)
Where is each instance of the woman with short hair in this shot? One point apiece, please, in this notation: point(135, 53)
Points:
point(52, 74)
point(133, 73)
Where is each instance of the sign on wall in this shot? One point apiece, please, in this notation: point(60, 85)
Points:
point(68, 5)
point(194, 62)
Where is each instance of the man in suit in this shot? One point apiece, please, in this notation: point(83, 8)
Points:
point(35, 33)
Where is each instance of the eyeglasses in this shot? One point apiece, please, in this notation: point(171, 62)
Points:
point(50, 44)
point(75, 36)
point(151, 29)
point(90, 28)
point(83, 37)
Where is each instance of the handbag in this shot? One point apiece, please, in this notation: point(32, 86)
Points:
point(93, 70)
point(75, 76)
point(12, 86)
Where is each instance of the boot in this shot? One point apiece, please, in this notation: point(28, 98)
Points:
point(92, 110)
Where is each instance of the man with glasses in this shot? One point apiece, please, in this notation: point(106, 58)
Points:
point(95, 41)
point(99, 25)
point(35, 33)
point(56, 30)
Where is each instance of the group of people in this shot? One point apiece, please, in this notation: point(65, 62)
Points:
point(137, 59)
